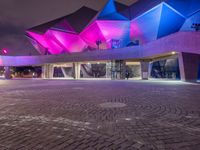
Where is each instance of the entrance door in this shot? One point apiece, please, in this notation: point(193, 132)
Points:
point(117, 69)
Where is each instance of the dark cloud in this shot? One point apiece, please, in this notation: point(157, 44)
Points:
point(18, 15)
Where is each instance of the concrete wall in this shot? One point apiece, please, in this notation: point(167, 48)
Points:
point(189, 66)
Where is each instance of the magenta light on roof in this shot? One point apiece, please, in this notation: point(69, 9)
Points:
point(136, 32)
point(109, 26)
point(92, 34)
point(106, 31)
point(117, 30)
point(47, 42)
point(71, 42)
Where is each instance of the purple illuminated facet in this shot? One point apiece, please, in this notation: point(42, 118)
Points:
point(92, 34)
point(47, 42)
point(115, 30)
point(71, 42)
point(106, 31)
point(136, 32)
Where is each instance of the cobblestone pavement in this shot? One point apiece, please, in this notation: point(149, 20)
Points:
point(99, 115)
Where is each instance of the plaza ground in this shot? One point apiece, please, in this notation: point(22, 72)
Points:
point(101, 115)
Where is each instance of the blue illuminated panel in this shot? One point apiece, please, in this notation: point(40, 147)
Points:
point(188, 23)
point(108, 9)
point(170, 22)
point(145, 27)
point(109, 12)
point(185, 7)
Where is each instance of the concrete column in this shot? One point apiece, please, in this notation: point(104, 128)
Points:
point(7, 73)
point(43, 71)
point(144, 70)
point(108, 69)
point(47, 71)
point(189, 65)
point(77, 70)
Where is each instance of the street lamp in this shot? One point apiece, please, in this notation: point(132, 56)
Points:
point(4, 52)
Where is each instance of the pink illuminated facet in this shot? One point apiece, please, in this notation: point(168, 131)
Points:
point(62, 38)
point(106, 31)
point(47, 42)
point(136, 32)
point(114, 29)
point(92, 34)
point(117, 30)
point(71, 42)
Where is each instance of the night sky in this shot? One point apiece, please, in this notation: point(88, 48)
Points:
point(18, 15)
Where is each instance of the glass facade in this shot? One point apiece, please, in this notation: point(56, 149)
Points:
point(102, 70)
point(63, 71)
point(165, 69)
point(94, 70)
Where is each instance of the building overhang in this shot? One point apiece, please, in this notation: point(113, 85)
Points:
point(188, 42)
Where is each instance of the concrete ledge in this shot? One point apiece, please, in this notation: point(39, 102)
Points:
point(178, 42)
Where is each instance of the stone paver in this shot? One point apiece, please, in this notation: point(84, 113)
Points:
point(99, 115)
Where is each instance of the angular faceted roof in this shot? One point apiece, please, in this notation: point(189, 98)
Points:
point(76, 21)
point(62, 34)
point(115, 25)
point(64, 26)
point(140, 7)
point(195, 18)
point(72, 22)
point(185, 7)
point(106, 32)
point(108, 25)
point(120, 7)
point(156, 23)
point(44, 27)
point(80, 19)
point(110, 11)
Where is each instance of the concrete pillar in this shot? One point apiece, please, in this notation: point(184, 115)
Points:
point(43, 71)
point(144, 70)
point(108, 69)
point(47, 71)
point(7, 73)
point(189, 65)
point(77, 70)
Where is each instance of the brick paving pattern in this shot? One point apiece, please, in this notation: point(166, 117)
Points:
point(99, 115)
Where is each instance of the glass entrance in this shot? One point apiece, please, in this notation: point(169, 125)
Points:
point(117, 69)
